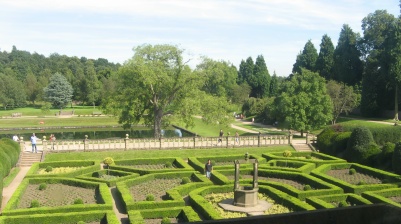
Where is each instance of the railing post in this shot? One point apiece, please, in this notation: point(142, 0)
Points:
point(259, 139)
point(161, 142)
point(195, 141)
point(44, 142)
point(126, 141)
point(289, 137)
point(228, 135)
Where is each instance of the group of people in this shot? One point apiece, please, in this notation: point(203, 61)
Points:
point(220, 140)
point(34, 140)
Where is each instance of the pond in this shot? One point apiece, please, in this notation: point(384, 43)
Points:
point(93, 133)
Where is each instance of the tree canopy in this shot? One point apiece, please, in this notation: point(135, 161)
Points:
point(59, 91)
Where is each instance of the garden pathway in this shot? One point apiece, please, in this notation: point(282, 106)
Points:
point(10, 189)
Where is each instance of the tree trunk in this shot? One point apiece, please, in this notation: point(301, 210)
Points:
point(396, 103)
point(158, 122)
point(302, 133)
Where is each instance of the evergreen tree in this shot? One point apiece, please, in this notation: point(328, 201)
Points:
point(261, 84)
point(347, 63)
point(306, 59)
point(274, 85)
point(325, 60)
point(59, 91)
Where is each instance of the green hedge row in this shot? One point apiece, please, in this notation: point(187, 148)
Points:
point(292, 166)
point(322, 202)
point(63, 218)
point(178, 163)
point(88, 166)
point(382, 196)
point(320, 172)
point(131, 204)
point(105, 198)
point(184, 214)
point(95, 176)
point(9, 156)
point(302, 156)
point(198, 163)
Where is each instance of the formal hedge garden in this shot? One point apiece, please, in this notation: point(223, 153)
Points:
point(174, 190)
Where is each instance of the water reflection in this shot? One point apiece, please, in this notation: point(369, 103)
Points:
point(98, 133)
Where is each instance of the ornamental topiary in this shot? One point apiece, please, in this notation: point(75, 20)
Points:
point(34, 204)
point(165, 220)
point(352, 171)
point(324, 139)
point(49, 169)
point(361, 147)
point(108, 161)
point(42, 186)
point(78, 201)
point(185, 180)
point(150, 197)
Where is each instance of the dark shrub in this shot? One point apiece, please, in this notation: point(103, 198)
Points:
point(361, 147)
point(5, 162)
point(339, 142)
point(324, 139)
point(35, 204)
point(307, 187)
point(165, 220)
point(150, 197)
point(49, 169)
point(396, 160)
point(185, 180)
point(352, 171)
point(42, 186)
point(78, 201)
point(385, 157)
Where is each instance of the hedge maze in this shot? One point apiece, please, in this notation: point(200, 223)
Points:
point(153, 190)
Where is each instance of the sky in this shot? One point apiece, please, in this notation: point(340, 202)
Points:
point(223, 30)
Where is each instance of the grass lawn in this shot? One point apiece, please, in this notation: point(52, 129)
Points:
point(183, 153)
point(36, 111)
point(8, 179)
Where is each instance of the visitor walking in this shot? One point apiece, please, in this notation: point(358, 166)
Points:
point(34, 139)
point(15, 138)
point(52, 140)
point(237, 138)
point(220, 136)
point(208, 169)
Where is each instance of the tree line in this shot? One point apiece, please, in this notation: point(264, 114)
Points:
point(156, 85)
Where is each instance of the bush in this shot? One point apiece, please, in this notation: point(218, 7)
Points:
point(35, 204)
point(49, 169)
point(343, 204)
point(168, 165)
point(352, 171)
point(185, 180)
point(361, 147)
point(396, 160)
point(307, 187)
point(324, 139)
point(108, 161)
point(339, 142)
point(287, 153)
point(165, 220)
point(78, 201)
point(42, 186)
point(81, 222)
point(150, 197)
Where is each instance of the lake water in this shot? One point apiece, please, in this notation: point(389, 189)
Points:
point(95, 133)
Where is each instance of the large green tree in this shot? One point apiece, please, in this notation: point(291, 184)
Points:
point(325, 60)
point(306, 59)
point(304, 104)
point(260, 82)
point(156, 85)
point(12, 92)
point(343, 97)
point(245, 71)
point(348, 66)
point(59, 91)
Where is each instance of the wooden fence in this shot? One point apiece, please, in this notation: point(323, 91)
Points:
point(162, 143)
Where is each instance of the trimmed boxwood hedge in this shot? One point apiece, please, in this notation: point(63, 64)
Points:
point(185, 214)
point(392, 179)
point(323, 158)
point(322, 202)
point(382, 196)
point(102, 189)
point(292, 166)
point(67, 218)
point(94, 176)
point(123, 165)
point(88, 166)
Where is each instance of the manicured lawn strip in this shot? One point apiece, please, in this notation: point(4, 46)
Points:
point(357, 123)
point(58, 122)
point(36, 111)
point(209, 130)
point(8, 179)
point(183, 153)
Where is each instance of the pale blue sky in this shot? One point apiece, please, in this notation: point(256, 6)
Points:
point(219, 29)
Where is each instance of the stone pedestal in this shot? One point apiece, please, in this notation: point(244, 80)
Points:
point(246, 197)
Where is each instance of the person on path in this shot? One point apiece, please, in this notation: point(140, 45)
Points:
point(220, 136)
point(15, 138)
point(236, 137)
point(208, 169)
point(33, 142)
point(52, 140)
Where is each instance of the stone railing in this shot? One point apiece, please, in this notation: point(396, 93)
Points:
point(162, 143)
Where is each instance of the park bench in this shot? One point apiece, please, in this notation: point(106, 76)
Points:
point(16, 114)
point(96, 113)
